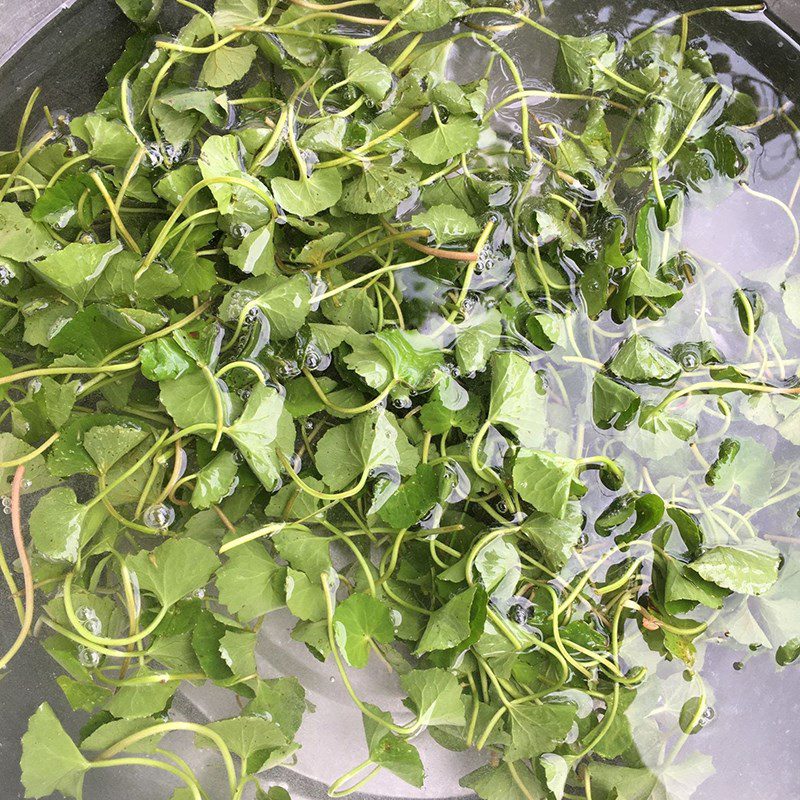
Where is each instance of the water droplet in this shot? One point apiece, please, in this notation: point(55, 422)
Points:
point(296, 463)
point(159, 516)
point(240, 230)
point(397, 618)
point(87, 657)
point(6, 510)
point(706, 717)
point(5, 276)
point(87, 616)
point(470, 301)
point(288, 369)
point(6, 502)
point(402, 402)
point(309, 425)
point(332, 679)
point(34, 384)
point(485, 260)
point(738, 665)
point(199, 593)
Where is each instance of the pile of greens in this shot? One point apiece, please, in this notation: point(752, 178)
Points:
point(294, 319)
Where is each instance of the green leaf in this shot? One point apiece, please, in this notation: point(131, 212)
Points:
point(226, 65)
point(97, 330)
point(306, 49)
point(264, 427)
point(326, 136)
point(173, 569)
point(215, 481)
point(107, 444)
point(251, 583)
point(140, 11)
point(359, 622)
point(613, 403)
point(237, 649)
point(427, 15)
point(253, 739)
point(76, 268)
point(517, 399)
point(304, 597)
point(413, 357)
point(447, 223)
point(413, 499)
point(50, 761)
point(304, 550)
point(456, 136)
point(108, 141)
point(369, 441)
point(435, 695)
point(284, 302)
point(363, 70)
point(640, 361)
point(58, 399)
point(189, 399)
point(283, 700)
point(255, 255)
point(457, 624)
point(498, 564)
point(451, 406)
point(221, 156)
point(748, 568)
point(118, 729)
point(507, 781)
point(749, 467)
point(134, 701)
point(379, 189)
point(555, 538)
point(391, 751)
point(306, 197)
point(537, 729)
point(56, 525)
point(22, 239)
point(576, 70)
point(544, 480)
point(478, 338)
point(367, 361)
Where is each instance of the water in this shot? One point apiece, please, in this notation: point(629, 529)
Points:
point(736, 241)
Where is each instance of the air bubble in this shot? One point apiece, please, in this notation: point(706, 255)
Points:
point(240, 230)
point(87, 657)
point(288, 369)
point(159, 516)
point(707, 716)
point(87, 616)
